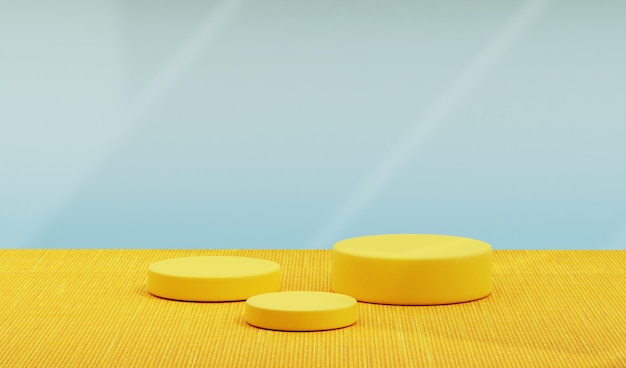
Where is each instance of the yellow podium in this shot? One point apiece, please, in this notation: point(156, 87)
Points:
point(412, 269)
point(213, 279)
point(301, 311)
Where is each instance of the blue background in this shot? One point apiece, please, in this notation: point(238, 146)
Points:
point(295, 124)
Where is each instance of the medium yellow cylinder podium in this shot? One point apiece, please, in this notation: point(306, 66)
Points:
point(213, 278)
point(412, 269)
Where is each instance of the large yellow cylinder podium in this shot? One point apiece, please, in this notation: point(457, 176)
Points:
point(412, 269)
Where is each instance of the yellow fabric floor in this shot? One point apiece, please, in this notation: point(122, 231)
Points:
point(90, 308)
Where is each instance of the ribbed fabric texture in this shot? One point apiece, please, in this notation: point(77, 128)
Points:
point(90, 308)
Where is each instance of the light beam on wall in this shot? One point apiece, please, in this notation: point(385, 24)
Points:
point(426, 126)
point(130, 120)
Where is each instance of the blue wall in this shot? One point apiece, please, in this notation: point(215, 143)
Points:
point(294, 124)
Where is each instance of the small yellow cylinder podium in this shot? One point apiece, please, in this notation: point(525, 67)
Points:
point(301, 311)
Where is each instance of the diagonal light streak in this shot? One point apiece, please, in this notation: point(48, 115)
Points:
point(131, 119)
point(426, 126)
point(189, 51)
